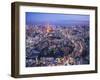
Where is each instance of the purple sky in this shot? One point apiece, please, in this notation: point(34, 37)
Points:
point(32, 18)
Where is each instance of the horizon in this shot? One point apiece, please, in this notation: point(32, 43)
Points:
point(56, 19)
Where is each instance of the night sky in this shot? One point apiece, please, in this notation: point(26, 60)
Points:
point(52, 18)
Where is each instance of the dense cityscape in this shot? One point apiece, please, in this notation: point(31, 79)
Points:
point(56, 45)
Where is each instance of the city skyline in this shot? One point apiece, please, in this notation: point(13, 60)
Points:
point(51, 44)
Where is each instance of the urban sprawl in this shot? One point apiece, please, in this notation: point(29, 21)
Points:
point(50, 45)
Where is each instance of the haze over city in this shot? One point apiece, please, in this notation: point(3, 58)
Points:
point(56, 19)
